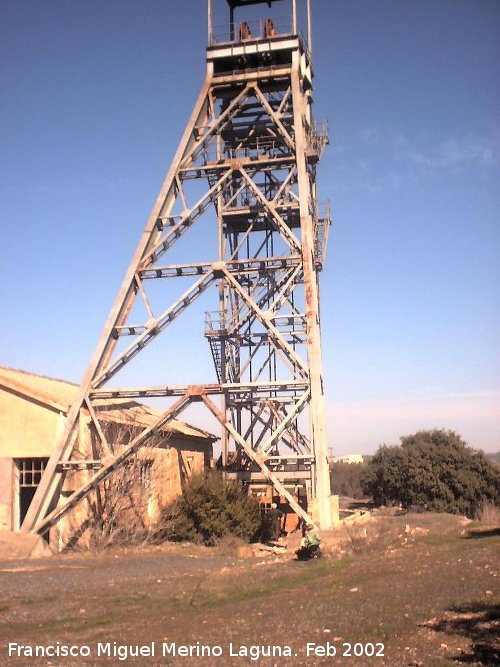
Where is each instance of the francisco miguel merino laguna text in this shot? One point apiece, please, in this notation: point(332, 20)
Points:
point(125, 651)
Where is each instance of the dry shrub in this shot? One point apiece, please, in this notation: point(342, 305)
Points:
point(121, 508)
point(230, 545)
point(489, 514)
point(119, 515)
point(379, 534)
point(358, 537)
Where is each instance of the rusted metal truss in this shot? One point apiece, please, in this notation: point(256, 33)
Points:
point(246, 167)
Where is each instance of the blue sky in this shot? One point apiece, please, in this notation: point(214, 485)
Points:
point(95, 96)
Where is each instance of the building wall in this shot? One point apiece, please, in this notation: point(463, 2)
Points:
point(27, 428)
point(350, 458)
point(6, 492)
point(170, 468)
point(170, 472)
point(30, 429)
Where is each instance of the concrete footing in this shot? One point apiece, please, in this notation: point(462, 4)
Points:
point(330, 517)
point(19, 545)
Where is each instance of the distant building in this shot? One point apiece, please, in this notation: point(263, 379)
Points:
point(350, 458)
point(33, 410)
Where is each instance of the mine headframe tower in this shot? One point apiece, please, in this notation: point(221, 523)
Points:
point(246, 169)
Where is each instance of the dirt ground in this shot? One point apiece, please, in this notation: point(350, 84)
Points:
point(415, 589)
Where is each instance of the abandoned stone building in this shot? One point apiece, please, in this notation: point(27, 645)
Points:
point(32, 414)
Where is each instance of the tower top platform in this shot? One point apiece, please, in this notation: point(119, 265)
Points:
point(256, 43)
point(249, 43)
point(244, 3)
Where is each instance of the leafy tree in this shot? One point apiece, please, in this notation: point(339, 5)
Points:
point(210, 509)
point(494, 457)
point(435, 469)
point(345, 479)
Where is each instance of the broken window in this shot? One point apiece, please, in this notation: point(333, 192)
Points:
point(29, 474)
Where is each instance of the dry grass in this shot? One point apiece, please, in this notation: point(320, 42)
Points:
point(489, 515)
point(418, 584)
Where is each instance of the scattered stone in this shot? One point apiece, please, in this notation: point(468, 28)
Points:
point(264, 549)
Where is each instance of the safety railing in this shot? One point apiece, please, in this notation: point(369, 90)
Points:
point(215, 322)
point(321, 215)
point(252, 29)
point(246, 146)
point(259, 147)
point(317, 137)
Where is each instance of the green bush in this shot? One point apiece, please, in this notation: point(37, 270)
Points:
point(209, 510)
point(433, 469)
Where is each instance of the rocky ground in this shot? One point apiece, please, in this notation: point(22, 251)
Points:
point(396, 590)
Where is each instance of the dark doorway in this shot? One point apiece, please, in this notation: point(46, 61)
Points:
point(30, 473)
point(26, 494)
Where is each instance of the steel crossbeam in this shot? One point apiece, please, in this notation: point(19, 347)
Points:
point(246, 167)
point(251, 265)
point(224, 388)
point(108, 468)
point(259, 459)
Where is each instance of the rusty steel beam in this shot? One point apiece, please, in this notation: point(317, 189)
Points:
point(246, 166)
point(108, 468)
point(225, 388)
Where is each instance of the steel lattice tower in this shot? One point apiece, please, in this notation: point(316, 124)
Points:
point(246, 167)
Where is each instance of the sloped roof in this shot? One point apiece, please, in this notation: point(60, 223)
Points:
point(60, 394)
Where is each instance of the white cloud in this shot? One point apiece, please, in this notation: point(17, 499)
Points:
point(458, 153)
point(377, 160)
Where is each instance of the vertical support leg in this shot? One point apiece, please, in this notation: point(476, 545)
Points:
point(321, 488)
